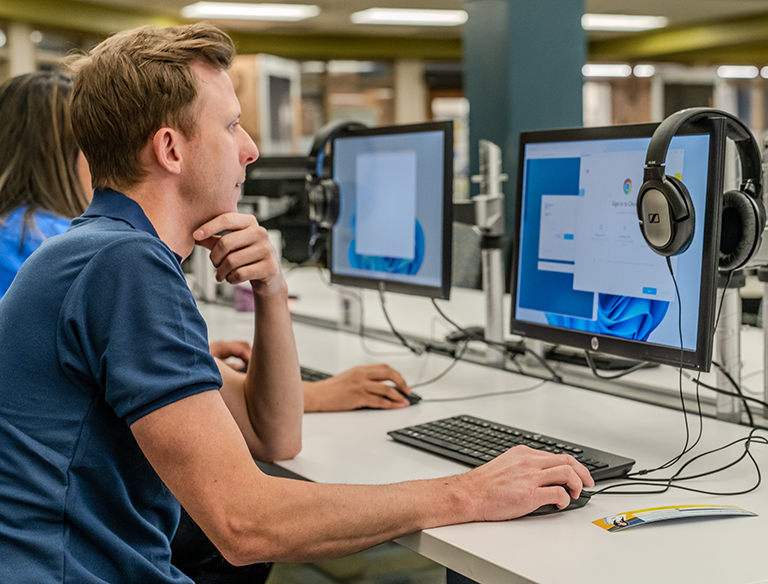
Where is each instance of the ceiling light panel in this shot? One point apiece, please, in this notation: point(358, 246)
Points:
point(409, 17)
point(737, 72)
point(621, 22)
point(238, 11)
point(606, 70)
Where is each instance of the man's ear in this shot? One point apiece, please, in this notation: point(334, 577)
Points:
point(167, 146)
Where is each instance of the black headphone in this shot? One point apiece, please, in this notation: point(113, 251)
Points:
point(665, 209)
point(323, 191)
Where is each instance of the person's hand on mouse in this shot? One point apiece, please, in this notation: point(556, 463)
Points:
point(359, 387)
point(523, 479)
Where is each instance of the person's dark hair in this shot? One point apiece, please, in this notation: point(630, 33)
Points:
point(38, 151)
point(135, 83)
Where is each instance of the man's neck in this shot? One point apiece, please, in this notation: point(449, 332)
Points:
point(164, 209)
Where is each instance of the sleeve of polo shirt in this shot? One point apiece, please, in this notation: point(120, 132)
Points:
point(129, 328)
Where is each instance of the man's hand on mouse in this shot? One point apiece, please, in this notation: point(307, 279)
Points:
point(521, 480)
point(359, 387)
point(244, 254)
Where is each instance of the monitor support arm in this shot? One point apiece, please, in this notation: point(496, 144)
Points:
point(728, 344)
point(762, 275)
point(486, 213)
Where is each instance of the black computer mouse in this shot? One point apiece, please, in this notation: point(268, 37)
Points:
point(413, 398)
point(574, 504)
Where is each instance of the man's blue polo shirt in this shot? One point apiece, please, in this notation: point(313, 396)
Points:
point(97, 330)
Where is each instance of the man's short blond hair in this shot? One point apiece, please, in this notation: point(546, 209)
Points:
point(135, 83)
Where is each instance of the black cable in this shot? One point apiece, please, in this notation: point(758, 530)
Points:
point(730, 393)
point(697, 381)
point(547, 366)
point(622, 373)
point(669, 482)
point(361, 330)
point(501, 346)
point(456, 358)
point(415, 349)
point(686, 448)
point(489, 394)
point(471, 335)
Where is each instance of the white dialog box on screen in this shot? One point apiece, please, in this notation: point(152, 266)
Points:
point(612, 255)
point(557, 232)
point(385, 206)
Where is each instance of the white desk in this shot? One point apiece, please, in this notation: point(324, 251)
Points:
point(564, 548)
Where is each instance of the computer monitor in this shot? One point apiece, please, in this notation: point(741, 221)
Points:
point(583, 275)
point(394, 226)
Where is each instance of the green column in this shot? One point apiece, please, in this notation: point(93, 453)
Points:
point(522, 71)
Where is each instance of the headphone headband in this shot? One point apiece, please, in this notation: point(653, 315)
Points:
point(749, 151)
point(326, 134)
point(666, 212)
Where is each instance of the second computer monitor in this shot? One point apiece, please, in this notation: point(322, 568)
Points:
point(394, 226)
point(584, 276)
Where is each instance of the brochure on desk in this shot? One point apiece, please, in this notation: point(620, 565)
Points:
point(628, 519)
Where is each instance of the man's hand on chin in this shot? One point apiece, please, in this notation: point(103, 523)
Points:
point(244, 254)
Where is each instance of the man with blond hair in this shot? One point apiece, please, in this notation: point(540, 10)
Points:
point(112, 411)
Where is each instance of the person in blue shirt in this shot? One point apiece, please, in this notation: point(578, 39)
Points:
point(47, 183)
point(41, 168)
point(113, 411)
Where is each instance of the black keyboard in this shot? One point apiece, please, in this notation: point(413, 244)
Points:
point(308, 374)
point(476, 441)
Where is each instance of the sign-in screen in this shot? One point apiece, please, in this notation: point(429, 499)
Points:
point(583, 263)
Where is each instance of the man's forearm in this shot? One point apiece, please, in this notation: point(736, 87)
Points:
point(273, 391)
point(199, 452)
point(302, 522)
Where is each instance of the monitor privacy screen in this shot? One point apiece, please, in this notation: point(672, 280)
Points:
point(584, 274)
point(394, 224)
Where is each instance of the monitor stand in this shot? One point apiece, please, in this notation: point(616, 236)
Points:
point(557, 353)
point(602, 361)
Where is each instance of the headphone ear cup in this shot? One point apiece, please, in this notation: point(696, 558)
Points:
point(739, 234)
point(667, 218)
point(324, 203)
point(685, 218)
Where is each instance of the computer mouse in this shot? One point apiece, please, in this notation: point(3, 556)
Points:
point(574, 504)
point(413, 398)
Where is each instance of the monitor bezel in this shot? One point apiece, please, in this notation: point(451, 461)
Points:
point(444, 289)
point(701, 358)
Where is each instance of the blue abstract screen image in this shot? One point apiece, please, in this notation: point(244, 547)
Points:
point(390, 265)
point(620, 316)
point(583, 264)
